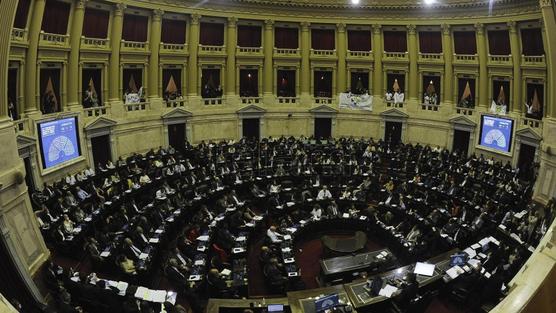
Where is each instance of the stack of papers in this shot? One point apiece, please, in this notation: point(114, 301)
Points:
point(387, 291)
point(199, 262)
point(203, 238)
point(154, 240)
point(238, 250)
point(454, 272)
point(143, 256)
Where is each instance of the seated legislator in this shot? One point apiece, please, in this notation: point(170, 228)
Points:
point(275, 236)
point(324, 193)
point(127, 265)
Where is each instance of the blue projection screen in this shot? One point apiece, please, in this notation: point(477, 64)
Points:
point(59, 141)
point(496, 133)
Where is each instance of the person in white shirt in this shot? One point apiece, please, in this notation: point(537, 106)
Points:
point(110, 165)
point(70, 179)
point(82, 194)
point(274, 187)
point(144, 179)
point(161, 194)
point(316, 212)
point(274, 235)
point(324, 193)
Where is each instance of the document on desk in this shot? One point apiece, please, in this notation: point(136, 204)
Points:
point(105, 254)
point(203, 238)
point(122, 287)
point(484, 241)
point(154, 240)
point(475, 246)
point(387, 291)
point(257, 218)
point(158, 296)
point(241, 238)
point(143, 256)
point(238, 250)
point(455, 271)
point(225, 272)
point(141, 293)
point(287, 237)
point(470, 252)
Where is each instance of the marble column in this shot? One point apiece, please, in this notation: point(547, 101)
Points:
point(305, 60)
point(193, 44)
point(231, 45)
point(155, 34)
point(483, 66)
point(515, 95)
point(268, 50)
point(413, 86)
point(341, 50)
point(31, 104)
point(377, 54)
point(115, 43)
point(448, 83)
point(73, 62)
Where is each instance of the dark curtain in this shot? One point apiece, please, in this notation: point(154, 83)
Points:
point(395, 41)
point(248, 36)
point(286, 83)
point(531, 42)
point(496, 84)
point(499, 42)
point(55, 18)
point(101, 149)
point(12, 91)
point(135, 28)
point(359, 40)
point(323, 84)
point(286, 38)
point(540, 94)
point(21, 13)
point(54, 75)
point(212, 34)
point(173, 31)
point(359, 82)
point(95, 24)
point(462, 82)
point(210, 80)
point(248, 83)
point(390, 78)
point(435, 82)
point(137, 74)
point(430, 42)
point(465, 43)
point(96, 75)
point(175, 73)
point(322, 39)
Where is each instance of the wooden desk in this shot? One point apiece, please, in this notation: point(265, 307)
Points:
point(214, 305)
point(303, 301)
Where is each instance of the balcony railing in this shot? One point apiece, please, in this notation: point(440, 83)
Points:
point(395, 56)
point(360, 54)
point(249, 51)
point(324, 100)
point(465, 111)
point(531, 122)
point(134, 45)
point(19, 34)
point(140, 106)
point(251, 100)
point(175, 103)
point(466, 58)
point(431, 57)
point(430, 107)
point(55, 39)
point(95, 42)
point(323, 53)
point(213, 101)
point(173, 48)
point(500, 59)
point(533, 60)
point(392, 104)
point(288, 100)
point(287, 52)
point(96, 111)
point(212, 49)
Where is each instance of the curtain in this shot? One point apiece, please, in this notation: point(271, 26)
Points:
point(212, 34)
point(21, 14)
point(286, 83)
point(249, 83)
point(430, 42)
point(286, 38)
point(531, 42)
point(395, 41)
point(135, 28)
point(173, 31)
point(359, 40)
point(465, 43)
point(95, 24)
point(248, 36)
point(322, 39)
point(499, 42)
point(55, 18)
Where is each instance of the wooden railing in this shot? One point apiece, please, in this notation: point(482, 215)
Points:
point(96, 111)
point(324, 100)
point(141, 106)
point(531, 122)
point(466, 57)
point(288, 100)
point(465, 111)
point(212, 101)
point(134, 45)
point(251, 100)
point(19, 34)
point(284, 51)
point(173, 47)
point(323, 53)
point(205, 48)
point(95, 42)
point(175, 103)
point(56, 39)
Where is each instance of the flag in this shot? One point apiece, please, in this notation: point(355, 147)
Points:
point(92, 88)
point(132, 86)
point(466, 92)
point(49, 92)
point(536, 104)
point(171, 88)
point(396, 87)
point(501, 96)
point(430, 89)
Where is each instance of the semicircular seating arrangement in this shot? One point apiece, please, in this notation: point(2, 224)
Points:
point(231, 220)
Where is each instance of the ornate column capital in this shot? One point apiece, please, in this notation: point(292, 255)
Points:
point(80, 4)
point(157, 14)
point(341, 27)
point(268, 24)
point(195, 18)
point(512, 26)
point(545, 3)
point(305, 26)
point(377, 28)
point(232, 21)
point(411, 29)
point(445, 29)
point(480, 28)
point(120, 8)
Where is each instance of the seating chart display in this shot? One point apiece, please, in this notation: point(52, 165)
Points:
point(59, 141)
point(496, 133)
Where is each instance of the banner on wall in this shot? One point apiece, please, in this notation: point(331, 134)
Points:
point(356, 102)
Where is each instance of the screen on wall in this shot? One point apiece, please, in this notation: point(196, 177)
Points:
point(59, 141)
point(496, 133)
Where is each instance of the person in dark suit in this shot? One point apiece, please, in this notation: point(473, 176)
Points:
point(175, 273)
point(408, 292)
